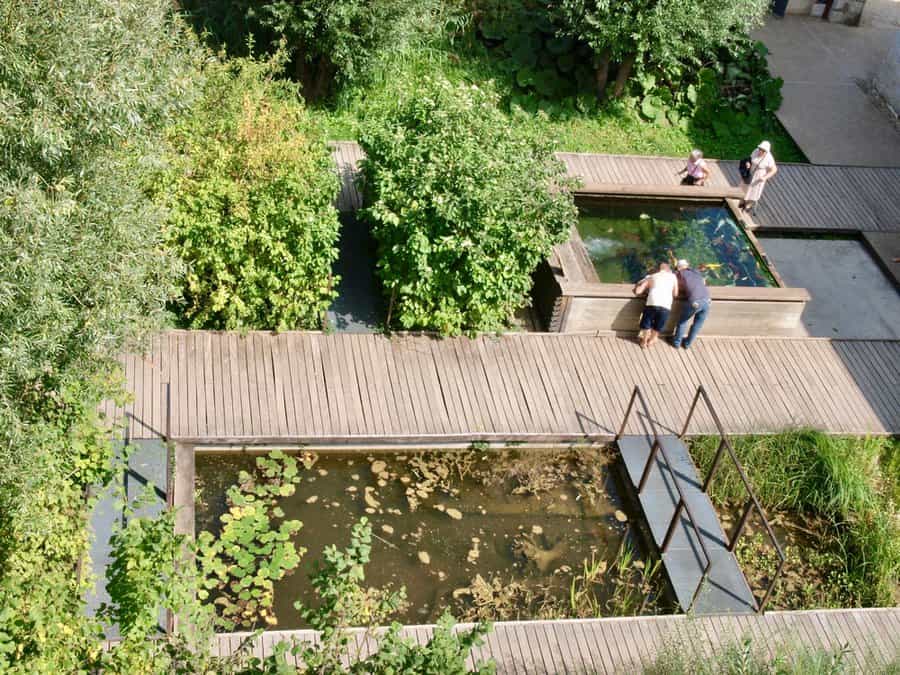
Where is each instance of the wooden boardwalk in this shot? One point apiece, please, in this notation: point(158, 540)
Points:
point(364, 388)
point(802, 197)
point(629, 645)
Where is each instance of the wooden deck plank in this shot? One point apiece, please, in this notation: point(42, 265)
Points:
point(624, 645)
point(309, 386)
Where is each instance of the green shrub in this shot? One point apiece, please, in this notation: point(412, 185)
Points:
point(463, 205)
point(330, 43)
point(87, 86)
point(251, 189)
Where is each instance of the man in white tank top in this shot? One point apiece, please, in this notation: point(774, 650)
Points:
point(661, 288)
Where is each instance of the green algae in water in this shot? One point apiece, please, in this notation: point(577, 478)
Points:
point(626, 239)
point(564, 506)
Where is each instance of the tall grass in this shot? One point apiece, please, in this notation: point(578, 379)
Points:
point(745, 659)
point(850, 481)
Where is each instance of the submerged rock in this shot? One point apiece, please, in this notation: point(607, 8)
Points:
point(454, 513)
point(620, 516)
point(351, 488)
point(537, 529)
point(540, 556)
point(369, 498)
point(378, 466)
point(323, 472)
point(312, 499)
point(424, 558)
point(387, 529)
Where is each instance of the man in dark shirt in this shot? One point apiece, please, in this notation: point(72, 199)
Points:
point(695, 296)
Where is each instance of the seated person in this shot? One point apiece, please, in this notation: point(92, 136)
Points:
point(696, 170)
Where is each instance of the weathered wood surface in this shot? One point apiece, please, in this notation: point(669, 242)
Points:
point(800, 197)
point(628, 645)
point(365, 388)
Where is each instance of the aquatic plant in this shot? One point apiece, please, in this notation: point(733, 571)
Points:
point(836, 478)
point(255, 546)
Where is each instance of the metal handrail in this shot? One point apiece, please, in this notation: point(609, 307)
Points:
point(682, 502)
point(752, 502)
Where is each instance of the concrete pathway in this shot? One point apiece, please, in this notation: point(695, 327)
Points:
point(830, 117)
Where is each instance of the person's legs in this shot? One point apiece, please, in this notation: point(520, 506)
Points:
point(699, 318)
point(687, 311)
point(645, 326)
point(660, 316)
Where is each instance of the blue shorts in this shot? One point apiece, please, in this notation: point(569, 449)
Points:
point(654, 317)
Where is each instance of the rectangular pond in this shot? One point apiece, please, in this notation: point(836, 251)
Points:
point(585, 286)
point(626, 238)
point(486, 534)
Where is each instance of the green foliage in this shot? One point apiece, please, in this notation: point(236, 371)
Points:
point(735, 90)
point(343, 601)
point(546, 67)
point(575, 124)
point(150, 572)
point(746, 659)
point(658, 32)
point(836, 478)
point(87, 86)
point(445, 653)
point(251, 189)
point(331, 43)
point(463, 204)
point(255, 547)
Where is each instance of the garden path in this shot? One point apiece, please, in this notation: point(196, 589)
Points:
point(296, 387)
point(825, 109)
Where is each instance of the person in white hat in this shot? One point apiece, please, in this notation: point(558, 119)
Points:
point(696, 170)
point(761, 168)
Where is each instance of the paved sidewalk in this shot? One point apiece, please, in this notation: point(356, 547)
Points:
point(830, 117)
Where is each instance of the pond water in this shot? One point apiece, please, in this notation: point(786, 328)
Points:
point(626, 238)
point(526, 522)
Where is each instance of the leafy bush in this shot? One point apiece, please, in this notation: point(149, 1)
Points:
point(255, 546)
point(445, 653)
point(735, 91)
point(251, 190)
point(87, 86)
point(546, 67)
point(330, 43)
point(463, 204)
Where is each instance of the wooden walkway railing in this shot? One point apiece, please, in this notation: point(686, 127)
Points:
point(365, 388)
point(628, 645)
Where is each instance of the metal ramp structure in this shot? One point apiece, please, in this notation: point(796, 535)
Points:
point(696, 554)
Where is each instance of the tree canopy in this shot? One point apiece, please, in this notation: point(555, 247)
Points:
point(656, 32)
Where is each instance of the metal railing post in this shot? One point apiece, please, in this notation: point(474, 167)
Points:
point(672, 524)
point(687, 422)
point(634, 394)
point(762, 605)
point(697, 590)
point(715, 465)
point(649, 465)
point(740, 526)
